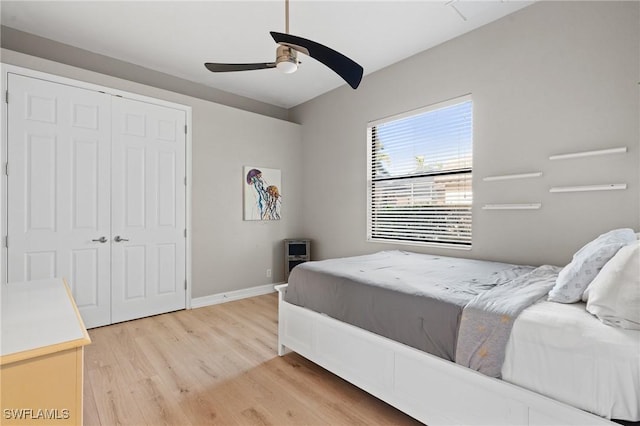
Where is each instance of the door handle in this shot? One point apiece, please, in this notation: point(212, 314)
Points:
point(100, 240)
point(118, 239)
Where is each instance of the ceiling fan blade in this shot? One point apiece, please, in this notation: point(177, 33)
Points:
point(214, 67)
point(346, 68)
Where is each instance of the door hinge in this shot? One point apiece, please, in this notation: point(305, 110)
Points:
point(185, 181)
point(6, 168)
point(6, 96)
point(185, 232)
point(185, 284)
point(6, 241)
point(185, 129)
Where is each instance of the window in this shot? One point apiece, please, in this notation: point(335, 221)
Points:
point(419, 176)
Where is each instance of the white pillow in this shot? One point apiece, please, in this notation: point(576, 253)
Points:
point(585, 295)
point(587, 262)
point(614, 295)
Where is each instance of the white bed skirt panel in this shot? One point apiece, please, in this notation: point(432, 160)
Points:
point(428, 388)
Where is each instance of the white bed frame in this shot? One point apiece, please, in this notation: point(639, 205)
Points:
point(428, 388)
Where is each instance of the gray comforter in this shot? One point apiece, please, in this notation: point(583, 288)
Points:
point(415, 299)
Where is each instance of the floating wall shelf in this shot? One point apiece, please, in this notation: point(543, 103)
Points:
point(509, 177)
point(604, 187)
point(527, 206)
point(620, 150)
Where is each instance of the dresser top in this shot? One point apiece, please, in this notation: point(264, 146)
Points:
point(38, 317)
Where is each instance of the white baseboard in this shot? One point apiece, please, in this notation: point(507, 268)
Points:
point(229, 296)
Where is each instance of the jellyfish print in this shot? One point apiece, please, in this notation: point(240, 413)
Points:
point(254, 178)
point(273, 203)
point(263, 199)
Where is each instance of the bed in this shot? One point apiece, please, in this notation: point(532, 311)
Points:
point(409, 363)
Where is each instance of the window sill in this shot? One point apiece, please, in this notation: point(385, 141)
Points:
point(420, 244)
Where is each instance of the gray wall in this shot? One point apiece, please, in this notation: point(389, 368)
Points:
point(228, 253)
point(555, 77)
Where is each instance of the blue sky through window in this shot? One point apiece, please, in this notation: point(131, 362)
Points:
point(435, 140)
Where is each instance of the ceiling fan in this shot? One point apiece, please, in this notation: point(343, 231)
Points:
point(286, 57)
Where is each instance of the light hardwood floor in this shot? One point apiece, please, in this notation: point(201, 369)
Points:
point(216, 365)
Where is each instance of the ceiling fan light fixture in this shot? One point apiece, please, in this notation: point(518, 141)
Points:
point(286, 60)
point(287, 67)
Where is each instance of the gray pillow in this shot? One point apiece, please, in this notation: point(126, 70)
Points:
point(587, 262)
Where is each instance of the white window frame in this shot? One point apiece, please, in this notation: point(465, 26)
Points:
point(370, 125)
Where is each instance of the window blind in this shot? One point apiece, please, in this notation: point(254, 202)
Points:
point(420, 169)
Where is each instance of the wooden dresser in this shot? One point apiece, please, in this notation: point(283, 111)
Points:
point(41, 354)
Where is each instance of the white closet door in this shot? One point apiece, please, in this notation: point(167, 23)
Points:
point(58, 208)
point(148, 209)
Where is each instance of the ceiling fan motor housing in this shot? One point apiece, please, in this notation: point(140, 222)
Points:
point(286, 59)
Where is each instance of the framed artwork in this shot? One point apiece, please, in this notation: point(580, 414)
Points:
point(262, 193)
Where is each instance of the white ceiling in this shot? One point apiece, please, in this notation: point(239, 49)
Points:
point(177, 37)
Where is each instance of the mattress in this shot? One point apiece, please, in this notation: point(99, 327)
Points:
point(412, 298)
point(558, 350)
point(562, 351)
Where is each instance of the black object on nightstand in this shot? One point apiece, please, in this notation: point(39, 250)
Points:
point(296, 251)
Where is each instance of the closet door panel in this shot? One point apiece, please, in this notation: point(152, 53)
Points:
point(148, 209)
point(59, 140)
